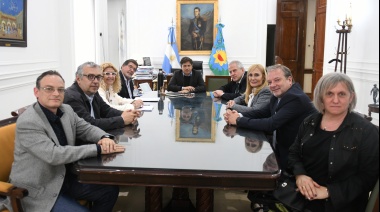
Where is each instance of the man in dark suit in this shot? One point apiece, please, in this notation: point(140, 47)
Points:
point(187, 80)
point(288, 107)
point(237, 85)
point(84, 98)
point(128, 69)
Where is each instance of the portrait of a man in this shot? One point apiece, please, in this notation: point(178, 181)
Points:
point(197, 29)
point(196, 26)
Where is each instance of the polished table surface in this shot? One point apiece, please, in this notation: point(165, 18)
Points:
point(167, 149)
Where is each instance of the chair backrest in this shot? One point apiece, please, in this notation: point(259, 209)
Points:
point(373, 201)
point(198, 65)
point(19, 111)
point(174, 70)
point(214, 82)
point(7, 139)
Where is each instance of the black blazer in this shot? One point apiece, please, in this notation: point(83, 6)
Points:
point(229, 88)
point(106, 117)
point(124, 91)
point(176, 83)
point(285, 118)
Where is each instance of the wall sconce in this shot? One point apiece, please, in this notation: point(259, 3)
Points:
point(342, 42)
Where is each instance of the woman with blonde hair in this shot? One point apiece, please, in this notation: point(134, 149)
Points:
point(111, 85)
point(257, 94)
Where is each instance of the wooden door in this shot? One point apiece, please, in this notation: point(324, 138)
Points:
point(290, 35)
point(319, 40)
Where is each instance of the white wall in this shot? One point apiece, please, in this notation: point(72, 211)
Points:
point(363, 48)
point(50, 45)
point(66, 42)
point(147, 29)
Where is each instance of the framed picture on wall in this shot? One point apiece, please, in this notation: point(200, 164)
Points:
point(13, 31)
point(196, 20)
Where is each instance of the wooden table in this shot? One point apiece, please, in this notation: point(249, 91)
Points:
point(161, 152)
point(373, 108)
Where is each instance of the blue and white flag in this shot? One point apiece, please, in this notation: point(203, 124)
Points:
point(218, 58)
point(171, 58)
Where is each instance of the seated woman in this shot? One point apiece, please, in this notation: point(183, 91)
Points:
point(257, 94)
point(335, 157)
point(111, 85)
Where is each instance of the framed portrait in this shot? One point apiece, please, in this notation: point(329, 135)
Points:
point(196, 31)
point(13, 27)
point(195, 123)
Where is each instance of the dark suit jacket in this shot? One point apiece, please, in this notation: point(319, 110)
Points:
point(124, 91)
point(229, 88)
point(106, 117)
point(176, 83)
point(285, 118)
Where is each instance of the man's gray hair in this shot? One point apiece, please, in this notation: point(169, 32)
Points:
point(86, 64)
point(238, 64)
point(329, 81)
point(286, 70)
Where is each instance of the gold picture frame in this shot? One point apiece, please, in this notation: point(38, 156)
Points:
point(206, 130)
point(196, 36)
point(13, 23)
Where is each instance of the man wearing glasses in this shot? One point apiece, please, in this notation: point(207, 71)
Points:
point(84, 98)
point(45, 150)
point(128, 69)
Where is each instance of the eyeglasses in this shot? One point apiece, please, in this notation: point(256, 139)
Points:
point(132, 67)
point(92, 77)
point(51, 90)
point(110, 73)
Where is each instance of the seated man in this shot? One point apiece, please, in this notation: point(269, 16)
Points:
point(127, 71)
point(84, 98)
point(45, 148)
point(288, 107)
point(187, 80)
point(237, 85)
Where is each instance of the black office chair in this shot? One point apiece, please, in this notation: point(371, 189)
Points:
point(198, 65)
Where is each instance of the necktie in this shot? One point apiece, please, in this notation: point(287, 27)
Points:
point(237, 90)
point(274, 132)
point(92, 109)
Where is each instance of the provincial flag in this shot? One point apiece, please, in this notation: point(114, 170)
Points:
point(218, 58)
point(171, 58)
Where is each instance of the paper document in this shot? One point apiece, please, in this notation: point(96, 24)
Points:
point(149, 99)
point(145, 87)
point(147, 108)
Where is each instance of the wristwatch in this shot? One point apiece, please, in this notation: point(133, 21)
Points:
point(108, 136)
point(237, 119)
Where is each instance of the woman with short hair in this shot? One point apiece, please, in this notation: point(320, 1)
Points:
point(335, 157)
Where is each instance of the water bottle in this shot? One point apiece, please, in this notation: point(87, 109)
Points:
point(160, 81)
point(161, 105)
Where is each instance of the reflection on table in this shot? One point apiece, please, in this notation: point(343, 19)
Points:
point(159, 154)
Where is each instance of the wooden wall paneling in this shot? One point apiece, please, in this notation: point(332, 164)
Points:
point(290, 35)
point(319, 40)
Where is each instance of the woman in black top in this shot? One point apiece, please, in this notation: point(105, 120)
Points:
point(335, 155)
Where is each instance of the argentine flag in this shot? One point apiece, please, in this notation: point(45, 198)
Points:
point(218, 58)
point(171, 58)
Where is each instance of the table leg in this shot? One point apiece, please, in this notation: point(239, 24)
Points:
point(180, 201)
point(205, 200)
point(153, 199)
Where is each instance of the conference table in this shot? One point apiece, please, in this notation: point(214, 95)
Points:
point(183, 142)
